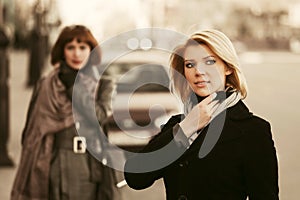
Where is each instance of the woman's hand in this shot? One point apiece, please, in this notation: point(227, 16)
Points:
point(200, 115)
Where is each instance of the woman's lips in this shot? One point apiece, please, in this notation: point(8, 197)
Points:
point(76, 62)
point(201, 84)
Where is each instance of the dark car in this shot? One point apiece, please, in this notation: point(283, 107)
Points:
point(143, 102)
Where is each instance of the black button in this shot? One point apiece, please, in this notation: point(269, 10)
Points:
point(185, 163)
point(182, 197)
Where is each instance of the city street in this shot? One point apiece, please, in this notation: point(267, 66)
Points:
point(273, 82)
point(20, 97)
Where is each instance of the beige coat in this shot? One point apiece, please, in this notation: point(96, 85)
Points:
point(50, 111)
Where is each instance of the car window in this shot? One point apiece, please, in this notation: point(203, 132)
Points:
point(138, 77)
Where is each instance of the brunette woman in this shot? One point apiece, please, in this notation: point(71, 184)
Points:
point(55, 163)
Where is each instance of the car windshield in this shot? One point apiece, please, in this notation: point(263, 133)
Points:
point(139, 77)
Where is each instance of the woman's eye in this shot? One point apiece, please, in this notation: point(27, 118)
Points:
point(83, 47)
point(70, 47)
point(189, 65)
point(210, 62)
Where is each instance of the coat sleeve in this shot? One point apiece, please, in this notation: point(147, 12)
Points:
point(142, 170)
point(104, 96)
point(260, 164)
point(84, 101)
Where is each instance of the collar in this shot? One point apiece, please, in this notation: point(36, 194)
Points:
point(65, 68)
point(239, 112)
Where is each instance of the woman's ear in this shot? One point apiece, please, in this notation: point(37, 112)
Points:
point(228, 71)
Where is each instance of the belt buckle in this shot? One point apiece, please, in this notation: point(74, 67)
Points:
point(79, 144)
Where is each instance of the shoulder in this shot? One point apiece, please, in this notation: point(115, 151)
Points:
point(53, 73)
point(255, 128)
point(259, 122)
point(249, 123)
point(106, 80)
point(49, 78)
point(258, 127)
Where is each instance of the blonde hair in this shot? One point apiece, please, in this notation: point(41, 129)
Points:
point(218, 43)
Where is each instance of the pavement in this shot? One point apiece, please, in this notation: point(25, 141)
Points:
point(19, 101)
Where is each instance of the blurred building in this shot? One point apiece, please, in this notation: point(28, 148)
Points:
point(260, 23)
point(29, 13)
point(7, 11)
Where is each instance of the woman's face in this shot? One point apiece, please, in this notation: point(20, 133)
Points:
point(204, 70)
point(76, 54)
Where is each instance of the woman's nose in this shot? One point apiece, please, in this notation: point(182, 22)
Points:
point(199, 70)
point(77, 52)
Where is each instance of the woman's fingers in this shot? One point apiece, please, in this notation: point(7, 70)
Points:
point(208, 104)
point(209, 99)
point(213, 107)
point(208, 107)
point(200, 115)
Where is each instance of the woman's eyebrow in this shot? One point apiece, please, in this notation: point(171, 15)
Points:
point(209, 56)
point(189, 60)
point(204, 58)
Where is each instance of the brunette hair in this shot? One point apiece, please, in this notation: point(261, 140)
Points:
point(81, 34)
point(218, 43)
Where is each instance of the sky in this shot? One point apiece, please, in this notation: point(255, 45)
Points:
point(96, 14)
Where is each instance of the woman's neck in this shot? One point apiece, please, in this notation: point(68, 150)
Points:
point(68, 68)
point(221, 95)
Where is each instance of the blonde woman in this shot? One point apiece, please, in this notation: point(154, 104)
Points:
point(222, 150)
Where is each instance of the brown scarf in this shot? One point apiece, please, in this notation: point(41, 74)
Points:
point(50, 111)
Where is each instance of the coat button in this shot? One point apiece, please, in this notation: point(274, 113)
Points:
point(182, 197)
point(182, 164)
point(77, 125)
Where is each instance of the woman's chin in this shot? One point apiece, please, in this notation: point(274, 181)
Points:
point(203, 92)
point(77, 67)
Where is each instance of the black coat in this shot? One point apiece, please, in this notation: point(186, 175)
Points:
point(242, 163)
